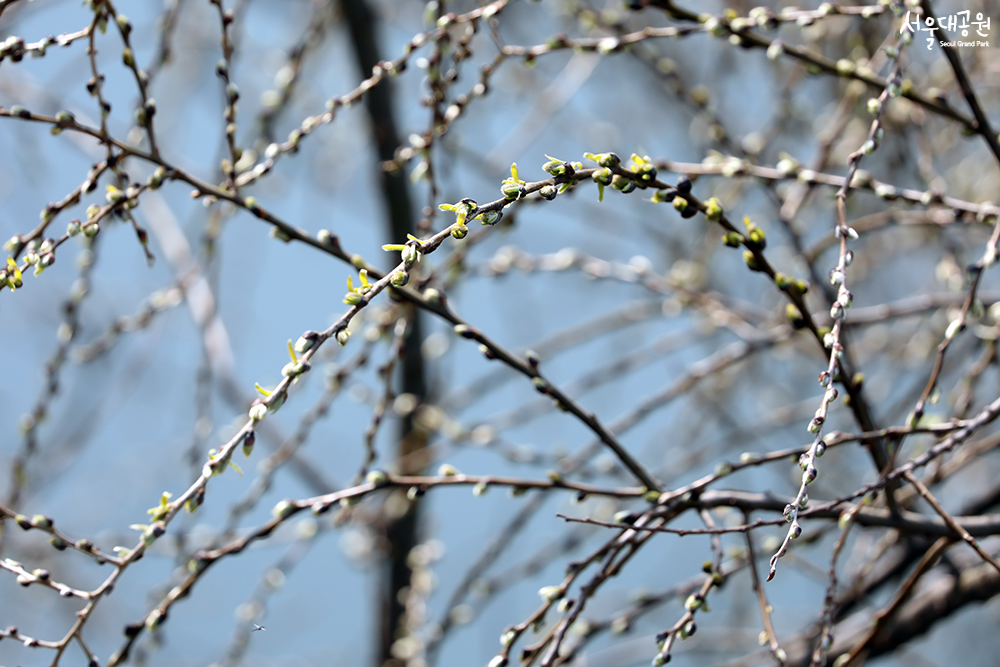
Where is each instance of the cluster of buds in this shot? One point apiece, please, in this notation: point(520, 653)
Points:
point(355, 295)
point(674, 196)
point(13, 48)
point(127, 198)
point(623, 184)
point(560, 168)
point(144, 114)
point(410, 253)
point(295, 368)
point(462, 210)
point(604, 175)
point(11, 275)
point(644, 168)
point(513, 187)
point(755, 238)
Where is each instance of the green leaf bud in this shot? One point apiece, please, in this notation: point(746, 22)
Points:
point(624, 516)
point(602, 176)
point(306, 341)
point(277, 401)
point(604, 159)
point(284, 509)
point(14, 244)
point(794, 316)
point(694, 603)
point(114, 195)
point(410, 254)
point(155, 618)
point(153, 532)
point(512, 190)
point(715, 27)
point(248, 442)
point(755, 235)
point(809, 476)
point(550, 593)
point(846, 67)
point(252, 205)
point(156, 178)
point(558, 167)
point(377, 478)
point(276, 232)
point(713, 210)
point(733, 239)
point(490, 217)
point(660, 196)
point(751, 260)
point(257, 410)
point(295, 369)
point(623, 184)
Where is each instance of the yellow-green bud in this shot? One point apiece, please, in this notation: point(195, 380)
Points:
point(751, 260)
point(713, 210)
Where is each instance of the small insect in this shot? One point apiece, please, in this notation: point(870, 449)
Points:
point(257, 628)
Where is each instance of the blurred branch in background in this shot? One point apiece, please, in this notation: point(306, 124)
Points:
point(401, 531)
